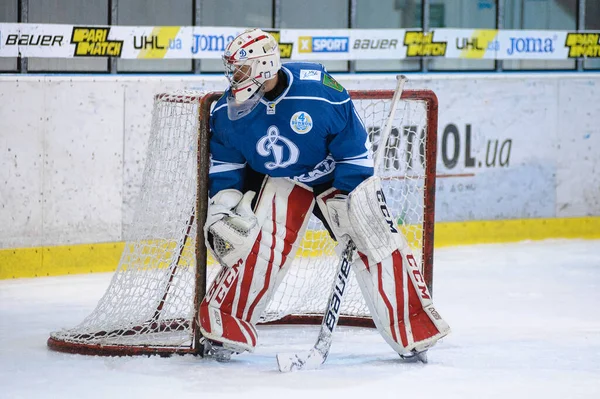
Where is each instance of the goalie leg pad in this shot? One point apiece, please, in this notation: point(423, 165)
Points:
point(399, 302)
point(364, 216)
point(387, 272)
point(240, 293)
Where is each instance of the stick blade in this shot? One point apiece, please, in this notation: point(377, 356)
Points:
point(311, 360)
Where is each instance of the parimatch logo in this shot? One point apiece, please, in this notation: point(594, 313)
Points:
point(583, 45)
point(285, 49)
point(93, 42)
point(420, 44)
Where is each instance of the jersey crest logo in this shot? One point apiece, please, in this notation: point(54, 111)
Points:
point(284, 151)
point(301, 122)
point(331, 82)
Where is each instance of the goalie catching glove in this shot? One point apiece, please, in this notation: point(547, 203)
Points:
point(386, 270)
point(231, 227)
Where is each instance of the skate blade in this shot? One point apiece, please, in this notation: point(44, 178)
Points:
point(415, 357)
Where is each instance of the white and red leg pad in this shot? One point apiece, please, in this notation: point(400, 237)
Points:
point(399, 301)
point(387, 272)
point(240, 293)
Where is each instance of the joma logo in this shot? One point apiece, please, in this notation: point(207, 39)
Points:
point(530, 45)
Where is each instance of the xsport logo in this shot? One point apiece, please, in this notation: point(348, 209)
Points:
point(93, 42)
point(323, 44)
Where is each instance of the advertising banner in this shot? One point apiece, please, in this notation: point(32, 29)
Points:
point(205, 42)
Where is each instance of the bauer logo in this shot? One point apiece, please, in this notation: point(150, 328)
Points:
point(375, 44)
point(301, 122)
point(323, 44)
point(34, 40)
point(94, 42)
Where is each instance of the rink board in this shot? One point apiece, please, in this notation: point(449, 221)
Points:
point(104, 257)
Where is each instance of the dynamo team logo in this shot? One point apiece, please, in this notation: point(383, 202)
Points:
point(301, 122)
point(282, 149)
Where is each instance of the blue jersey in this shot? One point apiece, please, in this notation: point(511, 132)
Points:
point(310, 133)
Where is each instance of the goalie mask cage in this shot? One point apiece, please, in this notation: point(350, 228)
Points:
point(151, 304)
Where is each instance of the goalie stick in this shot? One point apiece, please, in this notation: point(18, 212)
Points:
point(317, 355)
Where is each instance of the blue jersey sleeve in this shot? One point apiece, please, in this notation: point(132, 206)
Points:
point(349, 148)
point(227, 164)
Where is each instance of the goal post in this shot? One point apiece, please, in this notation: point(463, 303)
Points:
point(152, 302)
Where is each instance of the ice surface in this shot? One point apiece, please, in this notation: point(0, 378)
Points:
point(525, 320)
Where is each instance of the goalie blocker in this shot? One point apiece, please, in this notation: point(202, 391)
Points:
point(386, 270)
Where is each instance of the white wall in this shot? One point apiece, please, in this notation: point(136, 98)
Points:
point(72, 148)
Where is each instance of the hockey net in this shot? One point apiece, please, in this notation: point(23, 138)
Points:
point(152, 300)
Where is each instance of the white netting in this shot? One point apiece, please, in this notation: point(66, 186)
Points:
point(150, 301)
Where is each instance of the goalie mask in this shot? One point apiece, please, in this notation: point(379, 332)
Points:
point(250, 60)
